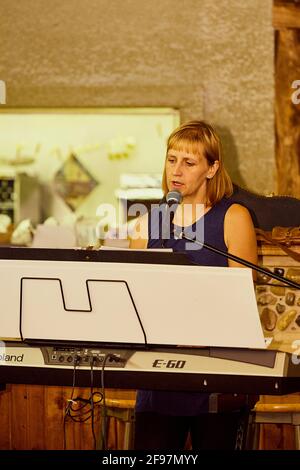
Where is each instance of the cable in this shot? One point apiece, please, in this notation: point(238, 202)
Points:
point(81, 409)
point(69, 402)
point(272, 285)
point(92, 403)
point(103, 410)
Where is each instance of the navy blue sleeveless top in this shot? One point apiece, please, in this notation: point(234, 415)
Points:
point(210, 228)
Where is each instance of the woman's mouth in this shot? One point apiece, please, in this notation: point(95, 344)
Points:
point(176, 184)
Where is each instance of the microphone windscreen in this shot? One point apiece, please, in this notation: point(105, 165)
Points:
point(173, 197)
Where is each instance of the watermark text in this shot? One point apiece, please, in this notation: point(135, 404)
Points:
point(2, 92)
point(296, 95)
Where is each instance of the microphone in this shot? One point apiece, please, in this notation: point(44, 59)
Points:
point(173, 199)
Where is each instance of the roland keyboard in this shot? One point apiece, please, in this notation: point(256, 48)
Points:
point(196, 369)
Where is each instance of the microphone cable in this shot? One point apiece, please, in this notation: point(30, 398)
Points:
point(70, 401)
point(93, 359)
point(81, 409)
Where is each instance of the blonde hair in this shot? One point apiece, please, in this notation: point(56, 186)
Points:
point(199, 137)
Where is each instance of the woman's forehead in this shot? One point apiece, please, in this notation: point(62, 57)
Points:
point(194, 149)
point(183, 154)
point(185, 145)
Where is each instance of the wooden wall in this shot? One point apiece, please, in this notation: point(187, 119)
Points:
point(278, 436)
point(286, 22)
point(32, 418)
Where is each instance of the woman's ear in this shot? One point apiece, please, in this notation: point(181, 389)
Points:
point(212, 170)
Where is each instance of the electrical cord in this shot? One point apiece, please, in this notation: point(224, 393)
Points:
point(81, 409)
point(273, 285)
point(76, 362)
point(93, 359)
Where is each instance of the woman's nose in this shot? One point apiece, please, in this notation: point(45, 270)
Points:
point(177, 169)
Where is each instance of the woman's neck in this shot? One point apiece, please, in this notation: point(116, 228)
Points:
point(187, 213)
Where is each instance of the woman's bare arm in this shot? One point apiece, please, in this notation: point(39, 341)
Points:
point(239, 234)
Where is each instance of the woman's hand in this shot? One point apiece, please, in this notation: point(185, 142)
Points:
point(138, 239)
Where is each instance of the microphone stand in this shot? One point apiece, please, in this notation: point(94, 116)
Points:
point(241, 261)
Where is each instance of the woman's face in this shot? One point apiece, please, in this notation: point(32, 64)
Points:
point(188, 174)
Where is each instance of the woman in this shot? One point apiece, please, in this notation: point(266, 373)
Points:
point(194, 167)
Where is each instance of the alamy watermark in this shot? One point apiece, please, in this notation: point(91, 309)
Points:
point(296, 354)
point(2, 92)
point(296, 95)
point(159, 226)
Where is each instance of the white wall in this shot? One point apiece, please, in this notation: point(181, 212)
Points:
point(92, 134)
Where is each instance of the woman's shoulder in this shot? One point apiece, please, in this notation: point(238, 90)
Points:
point(227, 208)
point(238, 220)
point(239, 234)
point(237, 211)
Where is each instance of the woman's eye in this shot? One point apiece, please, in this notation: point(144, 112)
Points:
point(190, 163)
point(171, 160)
